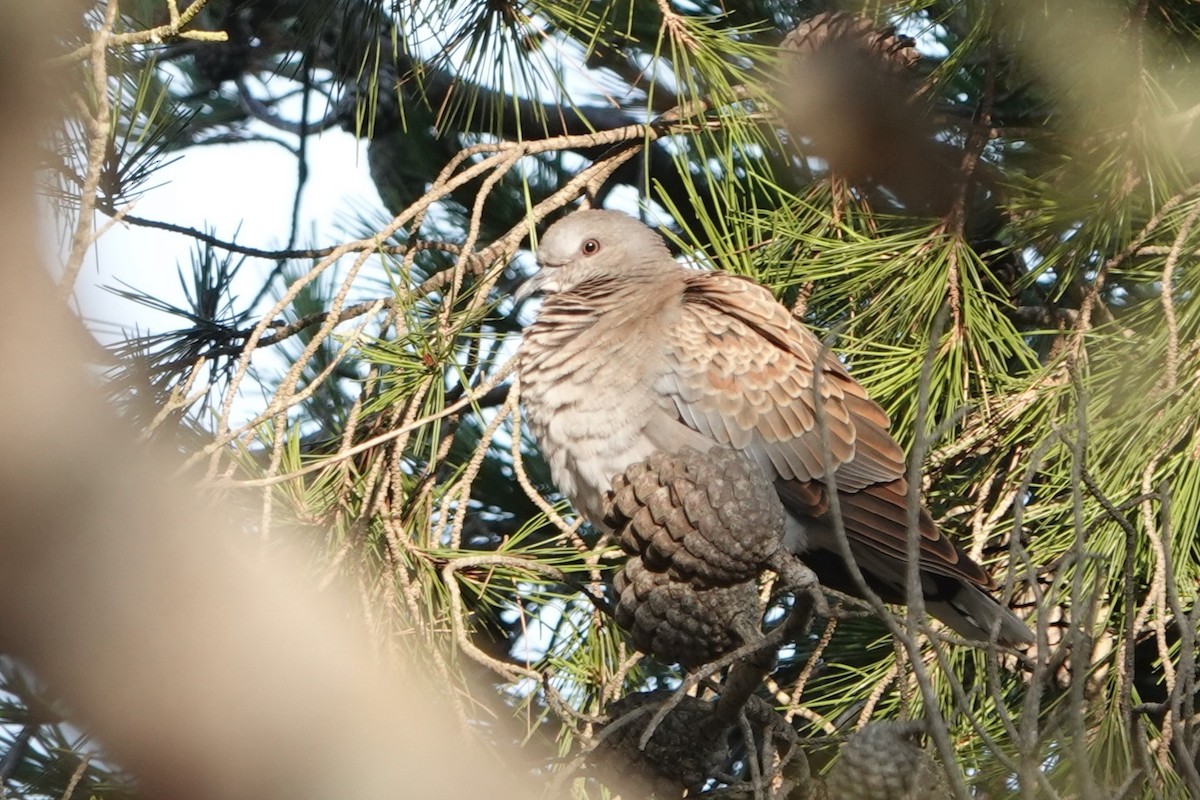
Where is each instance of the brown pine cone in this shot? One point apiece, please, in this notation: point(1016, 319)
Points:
point(890, 50)
point(850, 96)
point(686, 749)
point(708, 519)
point(884, 762)
point(678, 623)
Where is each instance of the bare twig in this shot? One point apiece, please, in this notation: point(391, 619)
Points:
point(510, 671)
point(277, 255)
point(175, 29)
point(1167, 297)
point(468, 399)
point(98, 123)
point(76, 777)
point(1084, 320)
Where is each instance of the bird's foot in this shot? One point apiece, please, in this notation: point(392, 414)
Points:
point(800, 581)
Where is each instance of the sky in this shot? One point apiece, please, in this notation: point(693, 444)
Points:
point(241, 192)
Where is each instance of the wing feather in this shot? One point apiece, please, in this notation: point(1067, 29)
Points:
point(741, 367)
point(740, 370)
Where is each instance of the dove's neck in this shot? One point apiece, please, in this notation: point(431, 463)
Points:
point(613, 303)
point(639, 280)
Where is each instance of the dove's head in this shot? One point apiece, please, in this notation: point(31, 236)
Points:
point(595, 244)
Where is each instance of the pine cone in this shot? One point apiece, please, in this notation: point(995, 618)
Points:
point(849, 94)
point(694, 745)
point(686, 749)
point(678, 623)
point(884, 762)
point(890, 50)
point(708, 519)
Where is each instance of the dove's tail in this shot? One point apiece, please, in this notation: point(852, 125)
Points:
point(972, 613)
point(965, 608)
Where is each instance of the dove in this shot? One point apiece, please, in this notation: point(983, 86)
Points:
point(633, 354)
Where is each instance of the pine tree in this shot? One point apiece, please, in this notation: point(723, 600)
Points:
point(989, 209)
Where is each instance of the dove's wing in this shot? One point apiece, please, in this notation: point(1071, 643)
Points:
point(740, 370)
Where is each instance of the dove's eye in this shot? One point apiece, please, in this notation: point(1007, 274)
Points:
point(590, 247)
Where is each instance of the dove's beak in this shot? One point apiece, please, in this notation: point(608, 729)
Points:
point(532, 285)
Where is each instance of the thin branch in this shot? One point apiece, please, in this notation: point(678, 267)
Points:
point(511, 672)
point(285, 254)
point(1167, 297)
point(76, 777)
point(376, 441)
point(175, 29)
point(1084, 320)
point(937, 723)
point(98, 124)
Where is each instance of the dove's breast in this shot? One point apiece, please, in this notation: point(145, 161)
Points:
point(587, 387)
